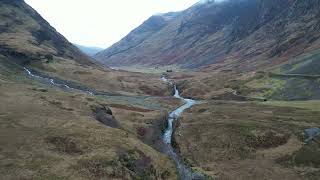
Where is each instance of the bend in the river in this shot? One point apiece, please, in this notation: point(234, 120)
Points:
point(185, 172)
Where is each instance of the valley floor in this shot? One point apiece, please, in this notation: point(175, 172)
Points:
point(249, 140)
point(47, 132)
point(53, 133)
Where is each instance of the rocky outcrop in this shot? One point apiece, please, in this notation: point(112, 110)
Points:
point(104, 115)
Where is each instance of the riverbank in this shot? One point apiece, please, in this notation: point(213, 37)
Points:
point(50, 132)
point(247, 140)
point(221, 138)
point(185, 172)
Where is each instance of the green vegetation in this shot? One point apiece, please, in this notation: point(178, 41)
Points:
point(268, 86)
point(285, 87)
point(312, 105)
point(305, 64)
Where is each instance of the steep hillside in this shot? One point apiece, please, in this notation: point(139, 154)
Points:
point(27, 37)
point(64, 117)
point(243, 34)
point(138, 36)
point(51, 124)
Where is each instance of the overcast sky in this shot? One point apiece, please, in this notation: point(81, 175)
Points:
point(101, 22)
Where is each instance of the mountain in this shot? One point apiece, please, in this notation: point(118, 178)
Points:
point(138, 36)
point(26, 37)
point(64, 117)
point(260, 33)
point(90, 51)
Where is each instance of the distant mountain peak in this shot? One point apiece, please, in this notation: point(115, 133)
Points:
point(90, 51)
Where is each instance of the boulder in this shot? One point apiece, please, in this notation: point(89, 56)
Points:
point(99, 108)
point(312, 133)
point(104, 115)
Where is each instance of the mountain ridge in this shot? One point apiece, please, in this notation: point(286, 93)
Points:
point(228, 32)
point(152, 25)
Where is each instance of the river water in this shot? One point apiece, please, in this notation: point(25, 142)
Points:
point(185, 172)
point(53, 82)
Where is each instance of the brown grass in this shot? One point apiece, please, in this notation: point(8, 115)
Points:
point(242, 140)
point(42, 139)
point(129, 108)
point(64, 145)
point(105, 80)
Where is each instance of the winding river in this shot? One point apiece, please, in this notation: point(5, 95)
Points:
point(185, 172)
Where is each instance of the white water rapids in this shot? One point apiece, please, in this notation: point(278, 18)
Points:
point(176, 114)
point(185, 172)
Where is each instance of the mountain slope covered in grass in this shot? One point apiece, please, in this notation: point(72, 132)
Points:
point(259, 79)
point(138, 36)
point(244, 35)
point(28, 40)
point(26, 36)
point(50, 130)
